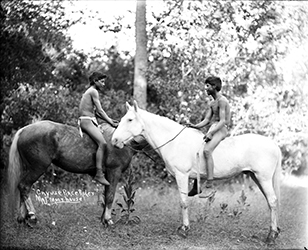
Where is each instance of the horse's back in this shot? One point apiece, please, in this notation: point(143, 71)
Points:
point(62, 145)
point(76, 153)
point(63, 135)
point(247, 152)
point(235, 154)
point(48, 134)
point(247, 142)
point(47, 142)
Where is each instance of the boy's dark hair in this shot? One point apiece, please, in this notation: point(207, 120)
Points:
point(214, 81)
point(96, 76)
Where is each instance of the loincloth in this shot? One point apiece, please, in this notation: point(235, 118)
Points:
point(93, 119)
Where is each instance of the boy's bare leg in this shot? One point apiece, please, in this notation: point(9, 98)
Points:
point(207, 151)
point(210, 175)
point(100, 177)
point(96, 135)
point(210, 190)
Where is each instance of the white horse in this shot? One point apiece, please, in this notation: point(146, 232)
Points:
point(180, 148)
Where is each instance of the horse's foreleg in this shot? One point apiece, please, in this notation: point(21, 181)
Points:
point(182, 182)
point(106, 218)
point(113, 178)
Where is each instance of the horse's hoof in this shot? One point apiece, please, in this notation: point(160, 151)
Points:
point(29, 224)
point(272, 236)
point(31, 221)
point(183, 231)
point(107, 223)
point(20, 219)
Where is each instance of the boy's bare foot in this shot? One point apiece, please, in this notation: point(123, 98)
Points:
point(100, 177)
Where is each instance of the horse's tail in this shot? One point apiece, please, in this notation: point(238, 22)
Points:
point(14, 172)
point(277, 176)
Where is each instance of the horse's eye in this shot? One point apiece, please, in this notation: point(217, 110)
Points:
point(130, 120)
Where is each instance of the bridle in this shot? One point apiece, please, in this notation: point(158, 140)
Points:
point(154, 149)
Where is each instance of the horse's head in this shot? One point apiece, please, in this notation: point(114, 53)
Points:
point(129, 127)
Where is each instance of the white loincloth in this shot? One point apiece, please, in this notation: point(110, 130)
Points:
point(93, 119)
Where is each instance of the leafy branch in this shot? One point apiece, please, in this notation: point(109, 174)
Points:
point(127, 208)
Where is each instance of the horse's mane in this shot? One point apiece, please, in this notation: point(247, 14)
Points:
point(162, 118)
point(167, 121)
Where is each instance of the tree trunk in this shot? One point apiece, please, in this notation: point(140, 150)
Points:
point(141, 61)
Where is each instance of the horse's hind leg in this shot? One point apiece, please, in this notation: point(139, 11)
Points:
point(266, 186)
point(273, 205)
point(27, 211)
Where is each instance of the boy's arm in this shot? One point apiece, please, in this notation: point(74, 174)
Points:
point(99, 110)
point(205, 121)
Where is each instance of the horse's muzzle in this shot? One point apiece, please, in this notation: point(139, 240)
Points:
point(116, 143)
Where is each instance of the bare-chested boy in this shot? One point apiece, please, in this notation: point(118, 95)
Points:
point(218, 117)
point(89, 107)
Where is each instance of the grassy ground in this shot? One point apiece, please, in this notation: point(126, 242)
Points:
point(233, 220)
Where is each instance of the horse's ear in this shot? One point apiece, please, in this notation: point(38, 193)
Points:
point(136, 106)
point(127, 106)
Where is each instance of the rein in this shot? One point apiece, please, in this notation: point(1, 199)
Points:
point(154, 149)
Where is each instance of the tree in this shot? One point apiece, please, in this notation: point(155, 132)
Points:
point(33, 42)
point(140, 82)
point(242, 42)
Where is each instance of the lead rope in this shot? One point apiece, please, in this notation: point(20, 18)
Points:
point(153, 149)
point(170, 139)
point(199, 169)
point(198, 173)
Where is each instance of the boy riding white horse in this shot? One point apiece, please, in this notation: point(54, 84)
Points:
point(218, 117)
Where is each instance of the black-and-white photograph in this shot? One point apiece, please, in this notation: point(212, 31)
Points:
point(153, 124)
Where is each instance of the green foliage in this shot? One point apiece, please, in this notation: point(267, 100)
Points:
point(243, 42)
point(32, 37)
point(236, 211)
point(71, 71)
point(236, 40)
point(50, 102)
point(42, 77)
point(127, 208)
point(117, 65)
point(34, 48)
point(280, 113)
point(32, 42)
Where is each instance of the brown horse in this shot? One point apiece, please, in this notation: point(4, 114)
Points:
point(35, 147)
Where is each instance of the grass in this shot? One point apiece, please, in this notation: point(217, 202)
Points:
point(234, 219)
